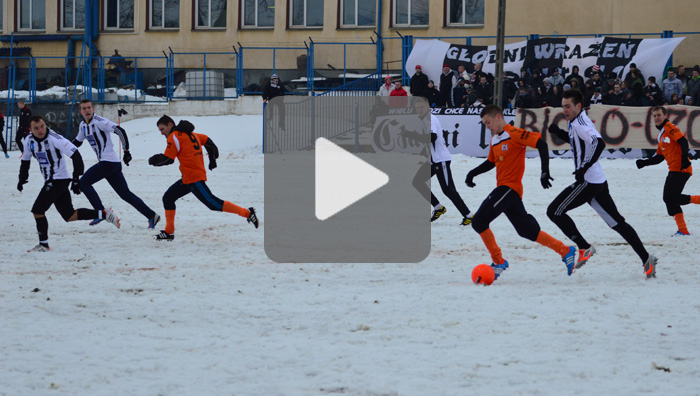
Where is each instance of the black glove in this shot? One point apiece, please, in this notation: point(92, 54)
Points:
point(544, 179)
point(127, 157)
point(470, 180)
point(153, 160)
point(579, 174)
point(685, 162)
point(20, 185)
point(212, 163)
point(48, 185)
point(75, 186)
point(641, 164)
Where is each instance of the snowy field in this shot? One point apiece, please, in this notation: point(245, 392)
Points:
point(113, 312)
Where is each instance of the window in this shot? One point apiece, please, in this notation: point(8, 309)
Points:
point(72, 14)
point(465, 12)
point(411, 12)
point(358, 12)
point(258, 13)
point(119, 14)
point(211, 13)
point(165, 14)
point(307, 13)
point(32, 14)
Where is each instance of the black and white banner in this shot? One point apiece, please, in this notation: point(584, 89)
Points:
point(611, 54)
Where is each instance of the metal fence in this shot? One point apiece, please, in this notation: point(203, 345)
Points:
point(307, 69)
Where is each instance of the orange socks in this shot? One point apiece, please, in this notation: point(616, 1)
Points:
point(492, 246)
point(680, 220)
point(695, 199)
point(233, 208)
point(549, 241)
point(170, 221)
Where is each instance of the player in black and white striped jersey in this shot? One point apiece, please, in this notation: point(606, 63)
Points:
point(590, 186)
point(98, 131)
point(51, 151)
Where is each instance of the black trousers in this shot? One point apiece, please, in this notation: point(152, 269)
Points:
point(21, 134)
point(444, 175)
point(598, 196)
point(504, 199)
point(56, 194)
point(2, 142)
point(199, 189)
point(673, 192)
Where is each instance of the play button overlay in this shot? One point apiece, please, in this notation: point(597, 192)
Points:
point(346, 180)
point(342, 179)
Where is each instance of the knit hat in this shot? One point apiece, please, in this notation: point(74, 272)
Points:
point(596, 68)
point(418, 67)
point(387, 78)
point(274, 76)
point(446, 66)
point(696, 68)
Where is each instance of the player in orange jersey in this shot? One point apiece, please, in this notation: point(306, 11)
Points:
point(186, 146)
point(673, 147)
point(507, 155)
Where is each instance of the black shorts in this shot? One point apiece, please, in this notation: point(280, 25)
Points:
point(58, 195)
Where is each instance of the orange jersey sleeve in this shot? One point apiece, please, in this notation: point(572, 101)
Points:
point(187, 148)
point(508, 153)
point(670, 149)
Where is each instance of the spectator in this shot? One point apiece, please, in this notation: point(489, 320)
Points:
point(398, 89)
point(387, 87)
point(574, 85)
point(596, 80)
point(478, 72)
point(524, 76)
point(692, 87)
point(536, 78)
point(587, 93)
point(597, 97)
point(555, 96)
point(653, 96)
point(635, 83)
point(524, 100)
point(675, 100)
point(614, 98)
point(273, 90)
point(419, 82)
point(472, 99)
point(459, 93)
point(556, 78)
point(681, 74)
point(630, 99)
point(574, 76)
point(432, 94)
point(672, 85)
point(462, 73)
point(485, 90)
point(629, 77)
point(447, 82)
point(508, 93)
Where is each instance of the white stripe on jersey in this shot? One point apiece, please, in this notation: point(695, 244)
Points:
point(438, 149)
point(99, 134)
point(50, 153)
point(584, 139)
point(177, 143)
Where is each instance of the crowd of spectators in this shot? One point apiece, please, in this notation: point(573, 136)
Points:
point(532, 89)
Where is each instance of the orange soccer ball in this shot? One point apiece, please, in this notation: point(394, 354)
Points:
point(483, 274)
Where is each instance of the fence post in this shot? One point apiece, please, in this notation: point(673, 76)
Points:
point(407, 46)
point(310, 54)
point(534, 37)
point(380, 54)
point(32, 79)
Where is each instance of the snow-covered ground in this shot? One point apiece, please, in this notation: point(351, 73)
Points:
point(113, 312)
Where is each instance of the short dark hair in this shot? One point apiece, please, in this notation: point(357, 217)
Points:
point(165, 120)
point(652, 79)
point(491, 110)
point(663, 109)
point(85, 101)
point(36, 118)
point(574, 94)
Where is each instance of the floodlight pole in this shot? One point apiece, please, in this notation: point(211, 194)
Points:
point(500, 44)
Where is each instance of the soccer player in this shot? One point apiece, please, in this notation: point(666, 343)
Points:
point(98, 131)
point(186, 146)
point(49, 149)
point(25, 113)
point(672, 147)
point(507, 155)
point(591, 186)
point(2, 138)
point(440, 166)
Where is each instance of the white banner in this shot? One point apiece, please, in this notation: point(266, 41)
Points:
point(609, 53)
